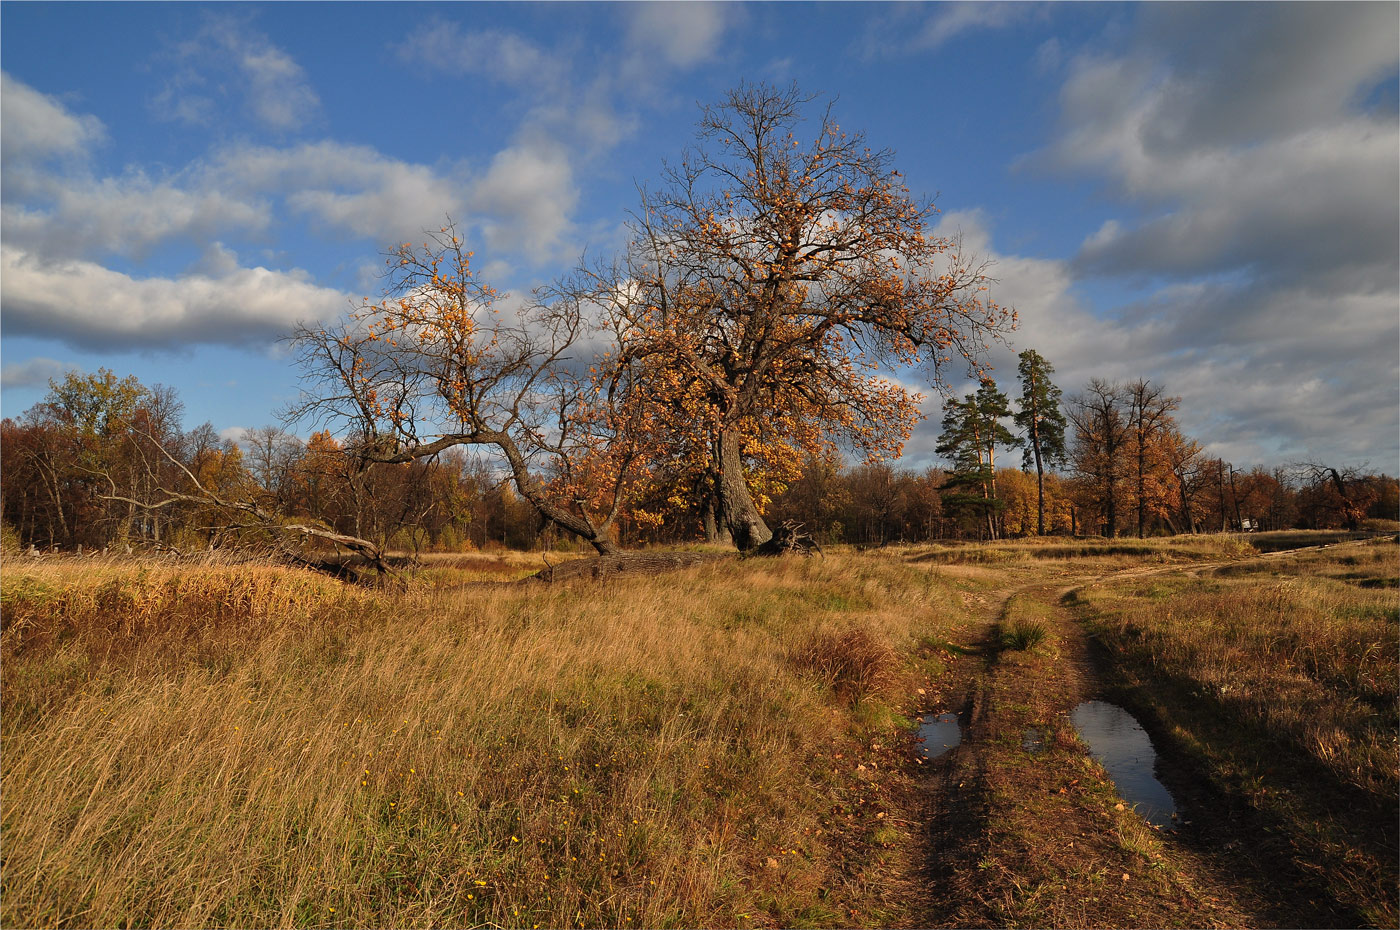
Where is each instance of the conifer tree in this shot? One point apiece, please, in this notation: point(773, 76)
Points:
point(1042, 423)
point(972, 430)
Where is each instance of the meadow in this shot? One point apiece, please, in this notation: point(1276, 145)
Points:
point(728, 745)
point(256, 746)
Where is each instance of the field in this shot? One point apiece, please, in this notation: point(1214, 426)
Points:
point(729, 745)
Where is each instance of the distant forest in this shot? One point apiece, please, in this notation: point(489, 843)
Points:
point(95, 465)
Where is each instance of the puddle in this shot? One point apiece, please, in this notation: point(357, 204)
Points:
point(938, 734)
point(1033, 740)
point(1120, 744)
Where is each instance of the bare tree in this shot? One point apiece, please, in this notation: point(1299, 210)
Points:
point(1100, 435)
point(438, 363)
point(1351, 494)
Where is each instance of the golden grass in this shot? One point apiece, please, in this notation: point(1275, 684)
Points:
point(1083, 551)
point(1281, 675)
point(249, 746)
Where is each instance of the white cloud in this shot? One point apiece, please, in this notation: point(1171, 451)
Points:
point(127, 215)
point(86, 305)
point(497, 54)
point(35, 125)
point(900, 29)
point(952, 19)
point(234, 434)
point(34, 373)
point(353, 188)
point(528, 195)
point(226, 58)
point(1259, 189)
point(1239, 133)
point(1266, 374)
point(1315, 202)
point(683, 34)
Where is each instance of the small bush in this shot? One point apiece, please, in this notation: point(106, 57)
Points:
point(853, 663)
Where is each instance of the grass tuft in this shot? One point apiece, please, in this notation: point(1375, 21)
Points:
point(854, 662)
point(1022, 635)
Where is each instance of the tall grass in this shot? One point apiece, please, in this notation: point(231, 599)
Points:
point(259, 747)
point(1281, 675)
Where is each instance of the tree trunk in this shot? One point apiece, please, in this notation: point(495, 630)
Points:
point(1141, 487)
point(1187, 518)
point(1111, 511)
point(1220, 484)
point(577, 523)
point(992, 490)
point(1350, 512)
point(1039, 482)
point(714, 531)
point(51, 480)
point(1235, 498)
point(737, 511)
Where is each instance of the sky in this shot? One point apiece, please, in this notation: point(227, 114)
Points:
point(1203, 195)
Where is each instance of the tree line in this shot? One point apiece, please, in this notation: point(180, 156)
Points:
point(79, 466)
point(87, 466)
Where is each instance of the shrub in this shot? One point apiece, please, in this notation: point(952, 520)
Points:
point(853, 663)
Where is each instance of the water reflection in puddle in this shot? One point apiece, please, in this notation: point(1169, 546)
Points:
point(1033, 740)
point(938, 735)
point(1120, 744)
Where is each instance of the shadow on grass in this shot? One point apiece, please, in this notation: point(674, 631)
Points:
point(1260, 849)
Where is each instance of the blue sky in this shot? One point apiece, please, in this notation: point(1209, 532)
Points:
point(1204, 195)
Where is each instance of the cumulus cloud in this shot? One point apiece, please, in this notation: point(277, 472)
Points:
point(526, 198)
point(1240, 134)
point(58, 209)
point(1260, 187)
point(36, 125)
point(34, 373)
point(570, 113)
point(350, 188)
point(1266, 374)
point(952, 19)
point(88, 306)
point(503, 56)
point(226, 58)
point(906, 29)
point(37, 130)
point(127, 216)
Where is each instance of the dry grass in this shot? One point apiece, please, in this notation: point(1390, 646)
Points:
point(247, 746)
point(1284, 659)
point(1082, 551)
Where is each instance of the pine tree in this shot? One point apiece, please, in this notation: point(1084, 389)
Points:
point(972, 430)
point(1042, 422)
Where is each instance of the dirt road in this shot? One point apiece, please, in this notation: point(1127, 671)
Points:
point(1023, 828)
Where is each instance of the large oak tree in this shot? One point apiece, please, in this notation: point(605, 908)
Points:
point(778, 273)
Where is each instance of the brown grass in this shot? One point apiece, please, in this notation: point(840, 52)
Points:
point(852, 662)
point(252, 746)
